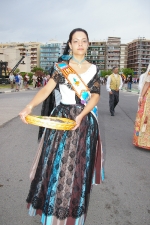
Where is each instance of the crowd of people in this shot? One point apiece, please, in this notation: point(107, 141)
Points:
point(18, 82)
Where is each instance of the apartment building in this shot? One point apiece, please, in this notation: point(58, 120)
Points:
point(49, 54)
point(138, 55)
point(123, 56)
point(113, 52)
point(9, 57)
point(96, 53)
point(12, 52)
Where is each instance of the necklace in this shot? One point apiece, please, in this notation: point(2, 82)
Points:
point(78, 62)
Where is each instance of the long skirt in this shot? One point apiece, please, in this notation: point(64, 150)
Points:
point(69, 164)
point(141, 137)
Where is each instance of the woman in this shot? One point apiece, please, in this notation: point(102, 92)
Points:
point(69, 160)
point(26, 81)
point(21, 81)
point(142, 123)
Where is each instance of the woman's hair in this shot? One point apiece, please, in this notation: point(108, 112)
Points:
point(67, 48)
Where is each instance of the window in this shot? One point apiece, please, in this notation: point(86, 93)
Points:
point(94, 52)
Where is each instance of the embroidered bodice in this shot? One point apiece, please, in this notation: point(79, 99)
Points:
point(90, 77)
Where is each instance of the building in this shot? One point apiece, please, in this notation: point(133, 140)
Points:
point(14, 51)
point(12, 57)
point(113, 52)
point(96, 53)
point(123, 56)
point(50, 53)
point(138, 55)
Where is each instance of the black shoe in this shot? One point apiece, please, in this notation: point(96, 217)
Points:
point(112, 114)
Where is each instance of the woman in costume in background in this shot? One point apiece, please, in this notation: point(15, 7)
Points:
point(141, 136)
point(70, 161)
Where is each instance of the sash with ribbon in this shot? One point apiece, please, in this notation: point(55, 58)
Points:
point(78, 85)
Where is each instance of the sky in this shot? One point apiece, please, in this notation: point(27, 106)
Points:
point(43, 20)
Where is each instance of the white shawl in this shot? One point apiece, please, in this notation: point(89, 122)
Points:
point(144, 78)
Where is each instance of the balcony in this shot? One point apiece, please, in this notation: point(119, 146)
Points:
point(113, 53)
point(113, 58)
point(51, 50)
point(33, 55)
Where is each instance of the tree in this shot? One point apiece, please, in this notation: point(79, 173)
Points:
point(35, 69)
point(128, 71)
point(17, 71)
point(105, 72)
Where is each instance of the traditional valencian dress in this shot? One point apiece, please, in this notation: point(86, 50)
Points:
point(70, 162)
point(141, 137)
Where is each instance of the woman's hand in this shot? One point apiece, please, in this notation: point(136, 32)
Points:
point(27, 110)
point(78, 121)
point(140, 101)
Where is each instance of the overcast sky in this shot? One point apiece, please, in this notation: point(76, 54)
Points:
point(42, 20)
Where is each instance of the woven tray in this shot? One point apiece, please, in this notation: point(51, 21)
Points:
point(51, 122)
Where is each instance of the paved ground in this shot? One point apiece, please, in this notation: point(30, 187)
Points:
point(123, 198)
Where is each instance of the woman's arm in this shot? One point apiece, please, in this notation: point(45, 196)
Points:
point(90, 105)
point(39, 97)
point(146, 86)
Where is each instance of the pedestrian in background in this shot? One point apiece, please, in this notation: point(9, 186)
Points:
point(48, 77)
point(44, 80)
point(20, 81)
point(141, 137)
point(16, 82)
point(114, 84)
point(129, 82)
point(39, 81)
point(34, 80)
point(26, 81)
point(11, 79)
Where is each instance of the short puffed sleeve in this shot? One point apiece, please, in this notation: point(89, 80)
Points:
point(94, 84)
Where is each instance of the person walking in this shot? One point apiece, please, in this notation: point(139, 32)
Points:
point(16, 82)
point(26, 81)
point(44, 80)
point(129, 83)
point(39, 81)
point(11, 79)
point(34, 80)
point(20, 81)
point(70, 160)
point(141, 137)
point(114, 84)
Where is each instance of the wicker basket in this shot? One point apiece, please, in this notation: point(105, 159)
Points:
point(51, 122)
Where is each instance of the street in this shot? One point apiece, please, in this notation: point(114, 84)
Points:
point(122, 199)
